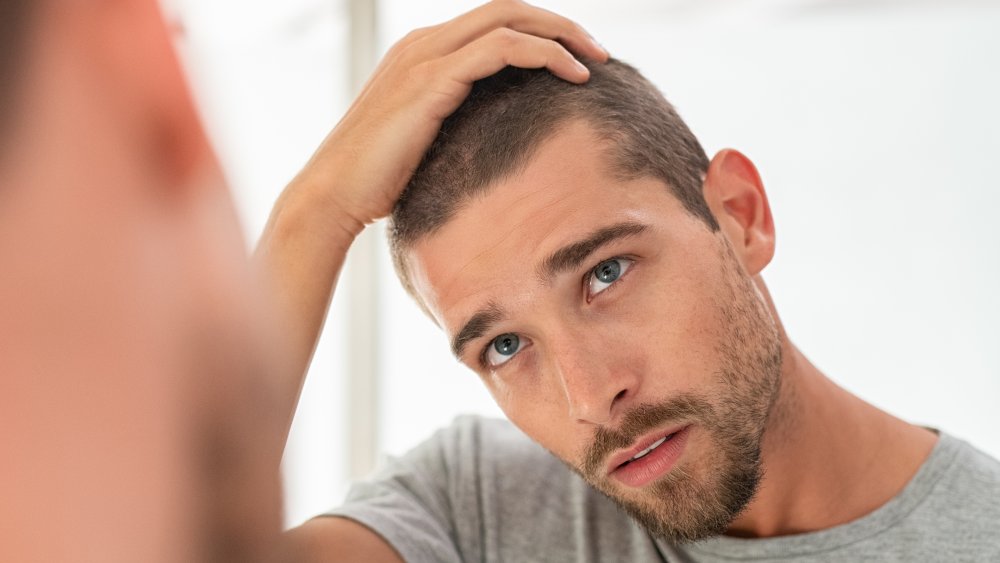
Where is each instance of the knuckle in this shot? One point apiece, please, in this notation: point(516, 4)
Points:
point(400, 45)
point(407, 40)
point(504, 36)
point(410, 39)
point(414, 34)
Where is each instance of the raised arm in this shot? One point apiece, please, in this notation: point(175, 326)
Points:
point(359, 170)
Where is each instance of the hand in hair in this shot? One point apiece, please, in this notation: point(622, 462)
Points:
point(369, 157)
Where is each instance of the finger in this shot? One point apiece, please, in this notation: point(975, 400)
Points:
point(504, 47)
point(515, 15)
point(393, 53)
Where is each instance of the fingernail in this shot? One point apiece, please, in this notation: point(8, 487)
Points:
point(582, 67)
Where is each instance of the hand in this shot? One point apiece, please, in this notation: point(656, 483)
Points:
point(369, 157)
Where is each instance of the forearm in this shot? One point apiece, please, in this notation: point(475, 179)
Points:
point(300, 255)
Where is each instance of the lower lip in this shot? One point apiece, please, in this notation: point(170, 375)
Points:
point(655, 464)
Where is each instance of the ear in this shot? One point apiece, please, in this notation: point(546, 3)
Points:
point(736, 197)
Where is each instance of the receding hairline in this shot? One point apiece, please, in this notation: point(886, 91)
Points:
point(609, 163)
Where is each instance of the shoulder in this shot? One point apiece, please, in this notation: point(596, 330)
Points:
point(480, 489)
point(963, 505)
point(475, 453)
point(489, 440)
point(979, 466)
point(471, 443)
point(433, 502)
point(973, 477)
point(515, 500)
point(447, 470)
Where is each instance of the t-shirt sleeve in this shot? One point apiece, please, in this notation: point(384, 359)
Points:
point(408, 502)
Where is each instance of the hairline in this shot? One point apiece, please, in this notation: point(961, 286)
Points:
point(612, 163)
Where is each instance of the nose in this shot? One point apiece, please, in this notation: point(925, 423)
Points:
point(598, 378)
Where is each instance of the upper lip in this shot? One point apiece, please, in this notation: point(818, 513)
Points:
point(640, 444)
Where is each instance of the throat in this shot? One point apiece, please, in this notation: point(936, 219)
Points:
point(830, 458)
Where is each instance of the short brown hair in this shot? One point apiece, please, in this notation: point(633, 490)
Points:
point(494, 133)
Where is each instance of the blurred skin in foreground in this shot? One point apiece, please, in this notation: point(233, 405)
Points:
point(148, 382)
point(134, 415)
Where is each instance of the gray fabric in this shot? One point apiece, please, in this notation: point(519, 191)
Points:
point(480, 490)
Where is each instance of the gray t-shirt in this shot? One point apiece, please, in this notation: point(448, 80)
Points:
point(480, 490)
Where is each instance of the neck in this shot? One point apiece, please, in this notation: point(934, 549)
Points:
point(829, 457)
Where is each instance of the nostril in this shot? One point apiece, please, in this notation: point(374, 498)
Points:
point(619, 396)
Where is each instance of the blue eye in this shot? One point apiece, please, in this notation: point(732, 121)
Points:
point(502, 349)
point(607, 273)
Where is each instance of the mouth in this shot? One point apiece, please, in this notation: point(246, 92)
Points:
point(651, 457)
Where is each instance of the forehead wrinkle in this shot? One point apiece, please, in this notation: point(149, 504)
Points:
point(504, 238)
point(456, 276)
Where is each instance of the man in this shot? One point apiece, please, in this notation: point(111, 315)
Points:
point(147, 382)
point(603, 277)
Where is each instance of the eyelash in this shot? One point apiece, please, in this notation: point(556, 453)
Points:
point(585, 285)
point(613, 285)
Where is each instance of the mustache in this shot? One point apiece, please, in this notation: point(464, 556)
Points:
point(636, 422)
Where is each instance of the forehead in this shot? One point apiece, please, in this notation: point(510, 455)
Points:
point(490, 249)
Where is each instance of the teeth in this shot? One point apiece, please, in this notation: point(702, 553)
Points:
point(649, 449)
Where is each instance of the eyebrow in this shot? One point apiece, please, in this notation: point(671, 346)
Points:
point(567, 258)
point(476, 326)
point(572, 255)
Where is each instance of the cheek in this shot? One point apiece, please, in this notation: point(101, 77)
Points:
point(675, 325)
point(540, 415)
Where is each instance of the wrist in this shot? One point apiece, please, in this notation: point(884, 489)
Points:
point(316, 206)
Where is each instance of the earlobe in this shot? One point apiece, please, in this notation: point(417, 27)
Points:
point(735, 194)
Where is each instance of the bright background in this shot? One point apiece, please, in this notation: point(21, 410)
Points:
point(874, 125)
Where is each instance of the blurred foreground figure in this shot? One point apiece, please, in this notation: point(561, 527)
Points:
point(134, 424)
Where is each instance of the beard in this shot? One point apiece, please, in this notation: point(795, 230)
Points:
point(700, 499)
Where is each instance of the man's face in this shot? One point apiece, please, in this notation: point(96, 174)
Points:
point(604, 318)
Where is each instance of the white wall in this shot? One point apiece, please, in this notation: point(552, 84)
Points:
point(873, 125)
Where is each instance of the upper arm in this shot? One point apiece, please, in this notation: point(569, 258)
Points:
point(332, 539)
